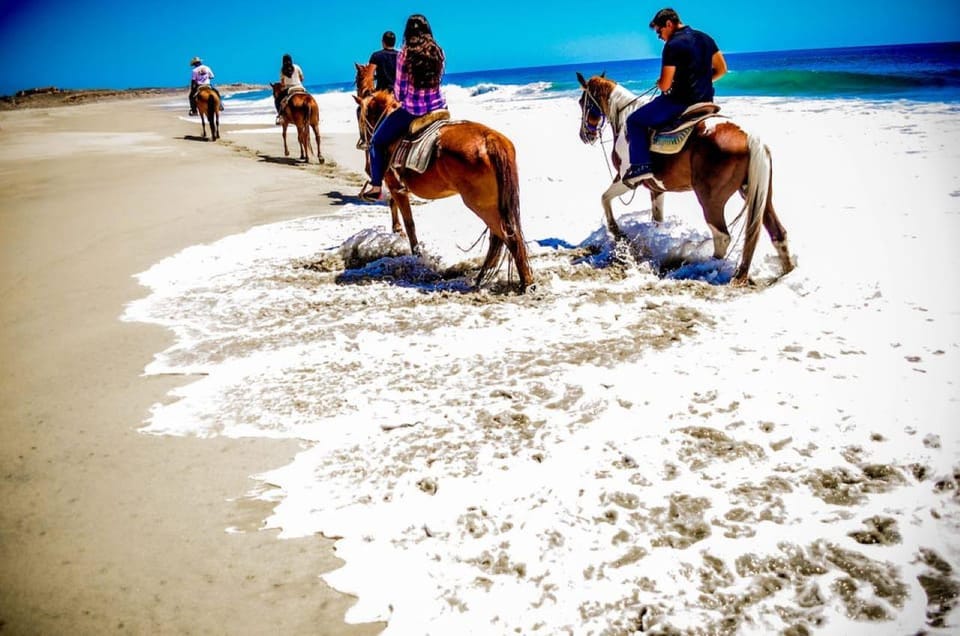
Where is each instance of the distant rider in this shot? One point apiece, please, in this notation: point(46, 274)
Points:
point(291, 76)
point(692, 62)
point(200, 76)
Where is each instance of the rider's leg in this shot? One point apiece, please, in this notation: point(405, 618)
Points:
point(392, 128)
point(657, 112)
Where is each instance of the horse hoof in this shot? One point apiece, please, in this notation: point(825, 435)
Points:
point(321, 160)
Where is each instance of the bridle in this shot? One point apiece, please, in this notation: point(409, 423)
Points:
point(591, 108)
point(367, 130)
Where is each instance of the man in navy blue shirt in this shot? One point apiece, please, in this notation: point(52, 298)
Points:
point(692, 62)
point(386, 61)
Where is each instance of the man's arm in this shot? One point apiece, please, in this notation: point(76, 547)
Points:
point(719, 66)
point(666, 77)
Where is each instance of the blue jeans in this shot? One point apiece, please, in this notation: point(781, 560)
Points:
point(657, 112)
point(392, 128)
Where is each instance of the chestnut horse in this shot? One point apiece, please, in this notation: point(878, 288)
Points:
point(303, 111)
point(718, 160)
point(208, 103)
point(476, 162)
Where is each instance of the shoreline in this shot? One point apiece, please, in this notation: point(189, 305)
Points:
point(53, 97)
point(106, 528)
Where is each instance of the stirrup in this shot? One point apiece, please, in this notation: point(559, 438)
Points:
point(368, 196)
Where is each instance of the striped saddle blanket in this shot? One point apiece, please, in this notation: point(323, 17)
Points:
point(416, 150)
point(670, 139)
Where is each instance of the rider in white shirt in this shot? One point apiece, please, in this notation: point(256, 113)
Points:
point(200, 76)
point(291, 76)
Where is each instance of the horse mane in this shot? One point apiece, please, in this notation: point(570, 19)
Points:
point(601, 88)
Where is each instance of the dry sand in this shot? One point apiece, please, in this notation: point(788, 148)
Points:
point(102, 528)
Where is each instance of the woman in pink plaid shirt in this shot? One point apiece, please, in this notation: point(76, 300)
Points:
point(417, 88)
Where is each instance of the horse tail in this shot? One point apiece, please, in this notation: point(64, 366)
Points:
point(213, 109)
point(503, 158)
point(759, 176)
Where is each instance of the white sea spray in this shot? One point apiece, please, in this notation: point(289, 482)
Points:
point(612, 451)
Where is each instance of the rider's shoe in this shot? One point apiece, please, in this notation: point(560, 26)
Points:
point(636, 174)
point(193, 112)
point(372, 194)
point(279, 120)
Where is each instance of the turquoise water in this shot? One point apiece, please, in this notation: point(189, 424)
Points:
point(922, 72)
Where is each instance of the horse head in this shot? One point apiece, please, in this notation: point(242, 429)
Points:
point(371, 111)
point(277, 89)
point(594, 104)
point(365, 78)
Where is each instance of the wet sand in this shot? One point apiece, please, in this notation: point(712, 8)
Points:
point(105, 529)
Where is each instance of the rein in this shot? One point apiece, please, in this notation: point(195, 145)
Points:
point(370, 130)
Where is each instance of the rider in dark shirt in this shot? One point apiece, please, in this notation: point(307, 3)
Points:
point(692, 62)
point(386, 61)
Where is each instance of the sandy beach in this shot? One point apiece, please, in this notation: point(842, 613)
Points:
point(215, 356)
point(104, 529)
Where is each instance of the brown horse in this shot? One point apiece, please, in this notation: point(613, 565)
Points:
point(472, 160)
point(303, 111)
point(718, 160)
point(208, 103)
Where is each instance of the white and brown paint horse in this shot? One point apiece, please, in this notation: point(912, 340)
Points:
point(719, 159)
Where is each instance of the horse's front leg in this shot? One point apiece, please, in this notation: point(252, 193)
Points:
point(286, 151)
point(616, 189)
point(395, 216)
point(401, 200)
point(656, 206)
point(303, 138)
point(316, 135)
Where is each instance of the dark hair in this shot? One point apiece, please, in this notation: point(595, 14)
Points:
point(287, 68)
point(424, 57)
point(663, 15)
point(389, 38)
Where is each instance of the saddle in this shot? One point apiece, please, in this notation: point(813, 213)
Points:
point(671, 138)
point(293, 90)
point(415, 151)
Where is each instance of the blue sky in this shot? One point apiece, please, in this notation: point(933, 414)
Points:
point(122, 44)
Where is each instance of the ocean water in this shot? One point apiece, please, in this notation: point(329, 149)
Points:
point(927, 72)
point(619, 449)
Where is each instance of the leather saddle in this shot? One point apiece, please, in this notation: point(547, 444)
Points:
point(671, 138)
point(415, 151)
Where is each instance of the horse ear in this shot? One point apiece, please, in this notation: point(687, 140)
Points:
point(604, 74)
point(582, 81)
point(359, 68)
point(357, 99)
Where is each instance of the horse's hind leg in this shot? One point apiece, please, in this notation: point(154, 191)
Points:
point(303, 138)
point(316, 136)
point(286, 151)
point(713, 214)
point(493, 256)
point(656, 206)
point(777, 233)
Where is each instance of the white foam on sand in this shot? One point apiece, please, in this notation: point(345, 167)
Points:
point(612, 450)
